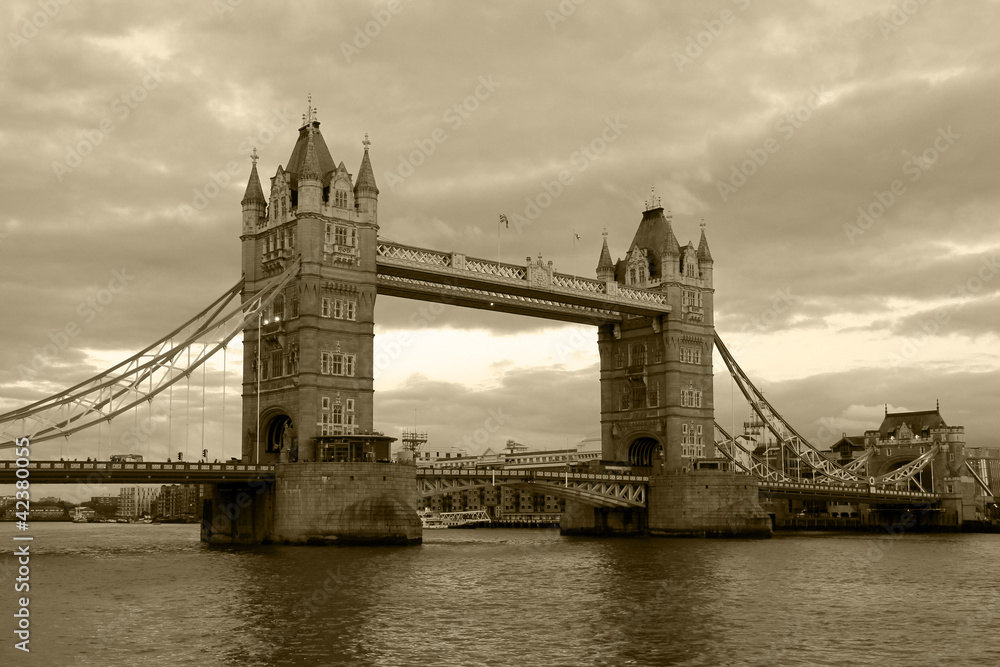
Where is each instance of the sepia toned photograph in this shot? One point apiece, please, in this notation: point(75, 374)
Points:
point(540, 332)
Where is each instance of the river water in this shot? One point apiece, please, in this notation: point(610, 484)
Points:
point(117, 594)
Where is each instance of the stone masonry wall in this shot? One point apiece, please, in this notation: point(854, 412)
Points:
point(325, 503)
point(706, 503)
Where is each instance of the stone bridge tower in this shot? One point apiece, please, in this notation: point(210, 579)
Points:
point(311, 356)
point(657, 409)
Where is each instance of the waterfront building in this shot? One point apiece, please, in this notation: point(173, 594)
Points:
point(178, 501)
point(105, 506)
point(136, 501)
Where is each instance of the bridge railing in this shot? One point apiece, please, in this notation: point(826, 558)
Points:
point(72, 466)
point(533, 275)
point(530, 474)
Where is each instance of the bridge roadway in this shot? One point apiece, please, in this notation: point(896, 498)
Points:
point(849, 493)
point(118, 472)
point(603, 490)
point(532, 289)
point(611, 490)
point(598, 490)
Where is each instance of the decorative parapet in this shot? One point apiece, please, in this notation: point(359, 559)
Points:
point(535, 274)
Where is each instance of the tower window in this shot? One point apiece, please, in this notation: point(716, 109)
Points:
point(325, 307)
point(341, 199)
point(690, 355)
point(690, 398)
point(639, 396)
point(638, 354)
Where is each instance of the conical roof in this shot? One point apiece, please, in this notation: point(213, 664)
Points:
point(704, 255)
point(253, 193)
point(605, 263)
point(310, 165)
point(366, 176)
point(310, 137)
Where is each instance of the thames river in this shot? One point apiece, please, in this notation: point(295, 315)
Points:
point(117, 594)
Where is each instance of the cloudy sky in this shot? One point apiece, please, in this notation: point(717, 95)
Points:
point(841, 154)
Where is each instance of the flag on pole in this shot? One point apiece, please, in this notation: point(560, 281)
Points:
point(503, 220)
point(577, 236)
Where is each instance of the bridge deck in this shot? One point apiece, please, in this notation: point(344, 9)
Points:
point(534, 290)
point(864, 494)
point(114, 472)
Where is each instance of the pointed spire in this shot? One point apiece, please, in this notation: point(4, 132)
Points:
point(605, 267)
point(653, 202)
point(704, 255)
point(670, 245)
point(366, 175)
point(310, 166)
point(254, 193)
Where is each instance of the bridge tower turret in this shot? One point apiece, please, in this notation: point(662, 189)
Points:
point(309, 398)
point(254, 217)
point(657, 410)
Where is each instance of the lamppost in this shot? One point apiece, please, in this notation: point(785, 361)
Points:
point(256, 450)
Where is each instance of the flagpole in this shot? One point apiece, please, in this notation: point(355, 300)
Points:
point(575, 267)
point(499, 220)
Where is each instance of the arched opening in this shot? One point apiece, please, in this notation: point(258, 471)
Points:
point(277, 429)
point(644, 453)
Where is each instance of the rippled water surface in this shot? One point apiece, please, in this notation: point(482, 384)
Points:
point(110, 594)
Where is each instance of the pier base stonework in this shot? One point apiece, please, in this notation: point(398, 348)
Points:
point(706, 503)
point(346, 503)
point(238, 513)
point(580, 519)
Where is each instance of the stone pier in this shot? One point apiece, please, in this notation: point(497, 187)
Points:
point(706, 503)
point(318, 503)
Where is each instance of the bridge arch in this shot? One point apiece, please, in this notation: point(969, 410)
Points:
point(276, 427)
point(645, 450)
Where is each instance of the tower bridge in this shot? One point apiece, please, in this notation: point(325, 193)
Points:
point(313, 264)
